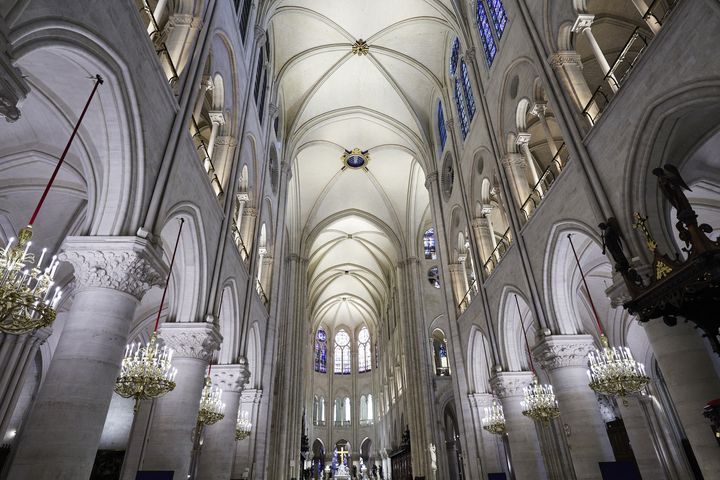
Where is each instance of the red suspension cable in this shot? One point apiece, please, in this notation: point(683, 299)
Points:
point(167, 282)
point(98, 81)
point(582, 274)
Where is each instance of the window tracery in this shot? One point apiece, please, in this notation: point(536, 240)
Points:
point(342, 353)
point(321, 351)
point(364, 351)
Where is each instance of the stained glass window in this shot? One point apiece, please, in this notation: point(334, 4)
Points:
point(441, 126)
point(469, 97)
point(499, 16)
point(364, 351)
point(434, 277)
point(486, 36)
point(429, 244)
point(342, 353)
point(454, 56)
point(245, 18)
point(321, 351)
point(462, 114)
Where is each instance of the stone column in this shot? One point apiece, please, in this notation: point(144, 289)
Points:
point(583, 25)
point(515, 166)
point(643, 445)
point(170, 442)
point(484, 234)
point(568, 66)
point(565, 359)
point(651, 20)
point(218, 120)
point(60, 438)
point(692, 381)
point(458, 277)
point(17, 353)
point(540, 110)
point(244, 458)
point(206, 85)
point(218, 451)
point(222, 159)
point(180, 33)
point(523, 141)
point(488, 444)
point(247, 229)
point(523, 442)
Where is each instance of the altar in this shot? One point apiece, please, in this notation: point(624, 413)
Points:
point(342, 472)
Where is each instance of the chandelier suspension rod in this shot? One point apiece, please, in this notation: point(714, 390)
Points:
point(167, 281)
point(98, 81)
point(587, 289)
point(527, 344)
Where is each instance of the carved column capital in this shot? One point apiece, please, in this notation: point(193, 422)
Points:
point(128, 264)
point(191, 340)
point(13, 87)
point(510, 384)
point(226, 140)
point(430, 178)
point(481, 400)
point(561, 59)
point(558, 351)
point(539, 109)
point(231, 378)
point(217, 117)
point(514, 159)
point(249, 212)
point(583, 21)
point(523, 138)
point(251, 395)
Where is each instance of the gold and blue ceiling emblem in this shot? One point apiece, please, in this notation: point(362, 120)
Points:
point(356, 158)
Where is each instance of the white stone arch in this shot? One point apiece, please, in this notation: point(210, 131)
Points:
point(111, 158)
point(478, 354)
point(513, 352)
point(229, 323)
point(254, 356)
point(565, 295)
point(188, 287)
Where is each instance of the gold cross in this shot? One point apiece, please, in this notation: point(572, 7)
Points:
point(641, 223)
point(342, 453)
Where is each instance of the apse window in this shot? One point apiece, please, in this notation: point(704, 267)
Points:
point(434, 277)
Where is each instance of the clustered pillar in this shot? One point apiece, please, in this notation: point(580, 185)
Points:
point(60, 438)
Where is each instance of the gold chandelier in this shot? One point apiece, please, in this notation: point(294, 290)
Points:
point(494, 419)
point(539, 402)
point(612, 370)
point(27, 299)
point(146, 371)
point(243, 427)
point(212, 408)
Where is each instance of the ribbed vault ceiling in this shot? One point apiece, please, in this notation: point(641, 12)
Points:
point(355, 224)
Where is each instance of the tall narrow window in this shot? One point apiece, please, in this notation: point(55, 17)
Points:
point(364, 351)
point(441, 126)
point(370, 413)
point(499, 16)
point(245, 18)
point(462, 114)
point(469, 97)
point(429, 244)
point(261, 105)
point(486, 35)
point(259, 73)
point(348, 415)
point(321, 351)
point(442, 366)
point(342, 353)
point(454, 56)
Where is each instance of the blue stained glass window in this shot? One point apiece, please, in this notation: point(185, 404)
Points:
point(454, 55)
point(499, 16)
point(483, 24)
point(321, 352)
point(469, 97)
point(462, 114)
point(429, 244)
point(441, 127)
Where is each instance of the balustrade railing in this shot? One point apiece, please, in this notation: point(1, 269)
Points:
point(261, 293)
point(618, 74)
point(503, 245)
point(659, 10)
point(204, 155)
point(468, 297)
point(547, 179)
point(237, 238)
point(161, 49)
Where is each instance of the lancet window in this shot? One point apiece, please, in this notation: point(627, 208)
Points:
point(321, 351)
point(342, 353)
point(364, 351)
